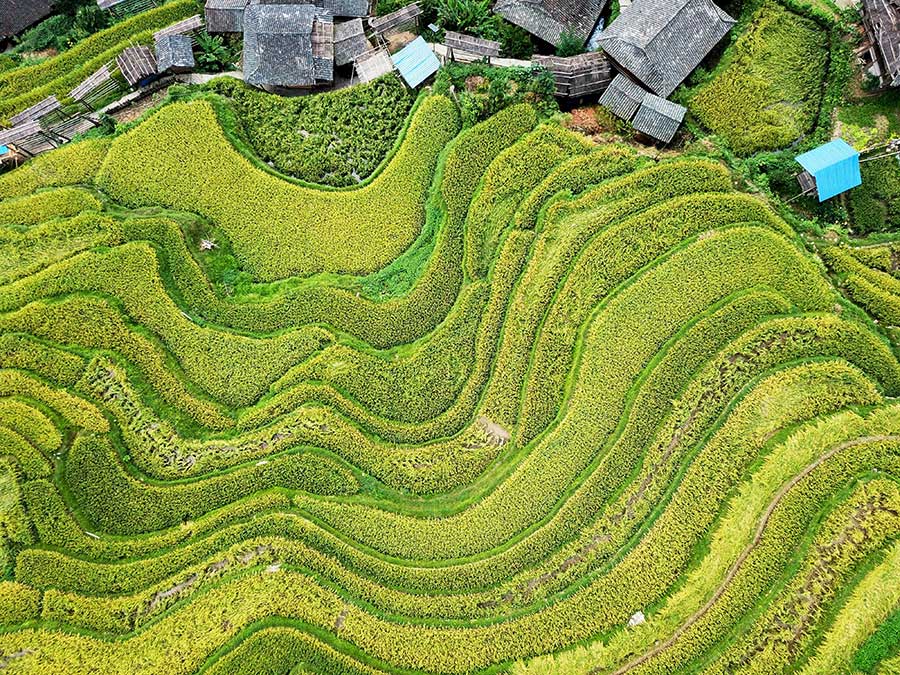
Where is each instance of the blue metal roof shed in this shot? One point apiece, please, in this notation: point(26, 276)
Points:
point(416, 62)
point(834, 166)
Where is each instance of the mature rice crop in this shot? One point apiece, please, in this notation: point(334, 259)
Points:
point(619, 419)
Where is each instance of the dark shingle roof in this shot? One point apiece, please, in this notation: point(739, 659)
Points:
point(577, 75)
point(355, 8)
point(549, 19)
point(349, 41)
point(287, 45)
point(225, 16)
point(17, 15)
point(174, 52)
point(659, 42)
point(623, 97)
point(882, 21)
point(658, 117)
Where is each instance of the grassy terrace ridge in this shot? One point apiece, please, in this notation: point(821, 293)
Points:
point(468, 416)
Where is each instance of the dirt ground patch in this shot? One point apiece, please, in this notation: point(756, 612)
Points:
point(133, 112)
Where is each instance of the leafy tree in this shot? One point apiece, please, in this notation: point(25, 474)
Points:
point(214, 55)
point(569, 44)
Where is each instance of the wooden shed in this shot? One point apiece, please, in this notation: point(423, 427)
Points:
point(137, 65)
point(577, 76)
point(19, 15)
point(288, 46)
point(225, 16)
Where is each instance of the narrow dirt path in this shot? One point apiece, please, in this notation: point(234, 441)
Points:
point(760, 529)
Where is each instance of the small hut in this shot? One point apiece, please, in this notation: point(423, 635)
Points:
point(225, 16)
point(579, 75)
point(288, 46)
point(372, 65)
point(29, 138)
point(470, 45)
point(175, 54)
point(350, 42)
point(137, 65)
point(830, 169)
point(658, 118)
point(623, 97)
point(416, 62)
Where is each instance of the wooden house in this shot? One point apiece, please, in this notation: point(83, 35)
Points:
point(288, 46)
point(881, 49)
point(659, 42)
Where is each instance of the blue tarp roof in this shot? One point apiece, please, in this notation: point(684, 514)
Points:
point(416, 62)
point(835, 166)
point(3, 149)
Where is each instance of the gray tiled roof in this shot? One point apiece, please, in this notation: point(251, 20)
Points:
point(279, 45)
point(17, 15)
point(174, 52)
point(659, 42)
point(225, 16)
point(623, 97)
point(658, 117)
point(349, 41)
point(355, 8)
point(471, 44)
point(549, 19)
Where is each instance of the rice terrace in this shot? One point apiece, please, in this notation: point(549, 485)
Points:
point(524, 337)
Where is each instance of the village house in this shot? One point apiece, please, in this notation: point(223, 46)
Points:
point(881, 50)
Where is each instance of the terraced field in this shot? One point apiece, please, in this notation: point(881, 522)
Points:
point(472, 416)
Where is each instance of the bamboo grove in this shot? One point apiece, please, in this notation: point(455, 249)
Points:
point(472, 415)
